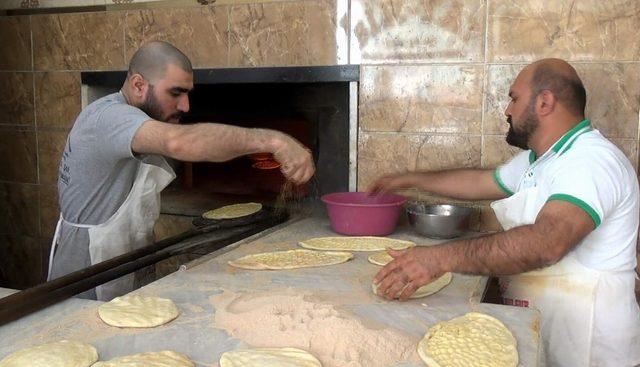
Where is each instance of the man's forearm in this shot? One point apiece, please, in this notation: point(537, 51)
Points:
point(465, 184)
point(218, 142)
point(515, 251)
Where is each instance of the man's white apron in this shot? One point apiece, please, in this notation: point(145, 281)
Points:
point(589, 317)
point(129, 228)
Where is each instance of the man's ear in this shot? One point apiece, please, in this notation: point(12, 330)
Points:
point(546, 102)
point(139, 85)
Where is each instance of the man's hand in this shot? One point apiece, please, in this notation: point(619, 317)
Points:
point(390, 183)
point(296, 160)
point(410, 269)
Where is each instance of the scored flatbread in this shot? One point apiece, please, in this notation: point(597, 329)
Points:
point(233, 211)
point(269, 357)
point(381, 258)
point(137, 311)
point(472, 340)
point(367, 243)
point(427, 289)
point(165, 358)
point(290, 259)
point(63, 353)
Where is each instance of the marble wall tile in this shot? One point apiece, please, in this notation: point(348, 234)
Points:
point(19, 209)
point(201, 33)
point(575, 30)
point(15, 43)
point(438, 152)
point(16, 98)
point(21, 261)
point(283, 34)
point(499, 80)
point(613, 97)
point(496, 151)
point(388, 153)
point(421, 98)
point(392, 31)
point(49, 210)
point(78, 41)
point(58, 101)
point(18, 155)
point(50, 147)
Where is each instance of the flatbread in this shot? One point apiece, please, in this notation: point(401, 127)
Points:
point(138, 311)
point(472, 340)
point(165, 358)
point(290, 259)
point(381, 258)
point(63, 353)
point(233, 211)
point(269, 357)
point(427, 289)
point(355, 243)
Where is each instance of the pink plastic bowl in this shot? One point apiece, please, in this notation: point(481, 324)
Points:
point(358, 214)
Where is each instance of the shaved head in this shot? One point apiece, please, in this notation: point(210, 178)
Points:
point(151, 60)
point(562, 80)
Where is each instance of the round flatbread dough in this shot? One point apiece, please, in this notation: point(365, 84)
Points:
point(138, 311)
point(472, 340)
point(269, 357)
point(233, 211)
point(427, 289)
point(381, 258)
point(64, 353)
point(165, 358)
point(290, 259)
point(367, 243)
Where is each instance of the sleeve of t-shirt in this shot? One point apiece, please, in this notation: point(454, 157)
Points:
point(116, 128)
point(507, 176)
point(587, 183)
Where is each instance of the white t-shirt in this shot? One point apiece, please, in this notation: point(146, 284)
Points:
point(586, 169)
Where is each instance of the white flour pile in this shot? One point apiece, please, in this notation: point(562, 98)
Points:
point(286, 319)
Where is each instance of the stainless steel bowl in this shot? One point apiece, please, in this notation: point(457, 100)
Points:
point(439, 221)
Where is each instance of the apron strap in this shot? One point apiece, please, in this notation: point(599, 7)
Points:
point(56, 235)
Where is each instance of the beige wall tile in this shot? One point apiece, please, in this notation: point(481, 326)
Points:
point(16, 98)
point(50, 147)
point(19, 209)
point(58, 100)
point(421, 98)
point(574, 30)
point(387, 153)
point(18, 156)
point(383, 154)
point(15, 43)
point(613, 97)
point(499, 80)
point(438, 152)
point(78, 41)
point(283, 33)
point(496, 151)
point(49, 210)
point(201, 33)
point(21, 261)
point(391, 31)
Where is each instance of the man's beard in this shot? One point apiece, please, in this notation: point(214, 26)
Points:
point(151, 107)
point(521, 138)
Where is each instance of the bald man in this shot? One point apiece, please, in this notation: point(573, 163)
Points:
point(569, 207)
point(113, 168)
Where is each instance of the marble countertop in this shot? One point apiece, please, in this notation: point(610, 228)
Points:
point(212, 295)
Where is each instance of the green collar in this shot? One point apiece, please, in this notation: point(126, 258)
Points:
point(582, 127)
